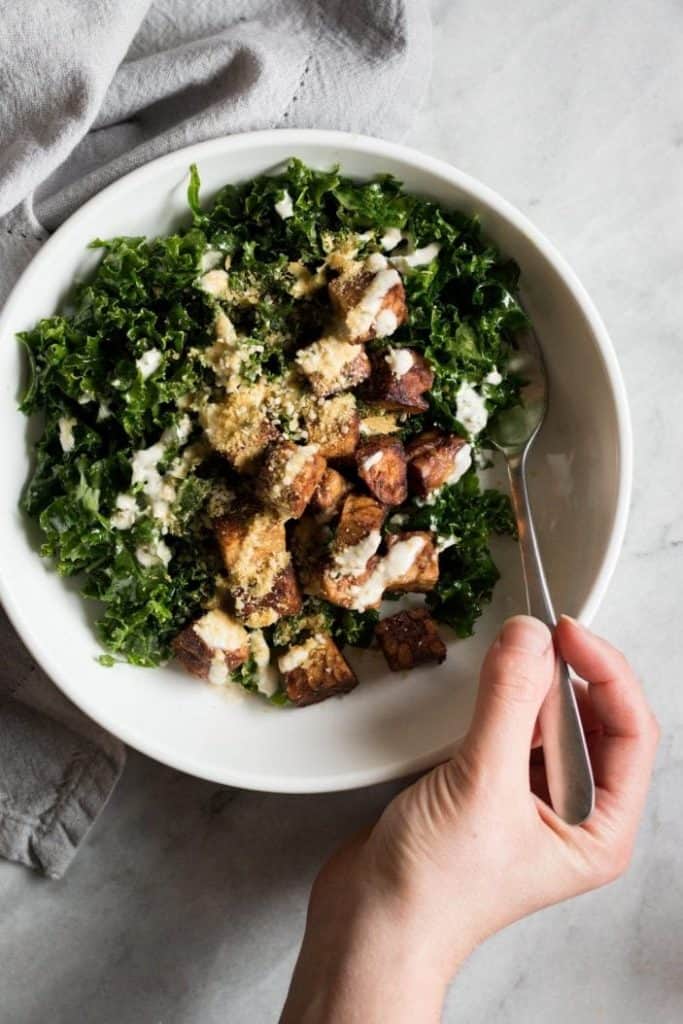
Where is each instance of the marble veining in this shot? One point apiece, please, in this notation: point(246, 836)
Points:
point(187, 902)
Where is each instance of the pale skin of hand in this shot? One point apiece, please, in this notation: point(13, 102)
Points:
point(472, 846)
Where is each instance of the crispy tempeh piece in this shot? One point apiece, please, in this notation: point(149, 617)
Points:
point(309, 544)
point(261, 578)
point(382, 467)
point(213, 646)
point(289, 477)
point(369, 299)
point(315, 670)
point(410, 638)
point(398, 393)
point(238, 427)
point(343, 589)
point(423, 574)
point(352, 559)
point(435, 459)
point(360, 516)
point(333, 424)
point(329, 494)
point(333, 364)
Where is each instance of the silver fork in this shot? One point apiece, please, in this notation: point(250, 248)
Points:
point(513, 432)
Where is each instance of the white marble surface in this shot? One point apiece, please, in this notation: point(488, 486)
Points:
point(187, 903)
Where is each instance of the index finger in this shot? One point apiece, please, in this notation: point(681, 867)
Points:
point(623, 757)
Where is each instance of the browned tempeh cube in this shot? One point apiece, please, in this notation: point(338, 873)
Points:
point(309, 544)
point(360, 516)
point(263, 609)
point(369, 299)
point(333, 364)
point(289, 477)
point(381, 463)
point(435, 459)
point(410, 638)
point(254, 534)
point(347, 590)
point(333, 424)
point(422, 572)
point(261, 578)
point(213, 646)
point(239, 428)
point(402, 392)
point(315, 670)
point(341, 577)
point(329, 494)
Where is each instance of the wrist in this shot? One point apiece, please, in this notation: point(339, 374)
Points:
point(369, 954)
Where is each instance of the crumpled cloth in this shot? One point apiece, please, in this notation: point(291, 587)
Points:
point(90, 89)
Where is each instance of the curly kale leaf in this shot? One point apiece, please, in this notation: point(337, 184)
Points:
point(345, 626)
point(85, 378)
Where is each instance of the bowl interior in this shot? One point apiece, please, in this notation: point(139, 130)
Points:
point(392, 724)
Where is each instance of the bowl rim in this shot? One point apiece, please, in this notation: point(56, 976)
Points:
point(478, 192)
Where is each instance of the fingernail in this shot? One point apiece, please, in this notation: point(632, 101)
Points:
point(526, 634)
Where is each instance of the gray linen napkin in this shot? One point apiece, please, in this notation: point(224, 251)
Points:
point(90, 89)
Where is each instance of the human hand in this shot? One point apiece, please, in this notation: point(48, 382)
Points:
point(473, 846)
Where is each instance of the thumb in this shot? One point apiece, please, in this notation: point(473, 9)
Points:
point(515, 677)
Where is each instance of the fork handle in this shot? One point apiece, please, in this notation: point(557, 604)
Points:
point(567, 764)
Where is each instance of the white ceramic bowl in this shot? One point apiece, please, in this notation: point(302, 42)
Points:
point(391, 725)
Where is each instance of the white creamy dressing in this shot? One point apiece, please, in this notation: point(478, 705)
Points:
point(461, 463)
point(220, 631)
point(218, 669)
point(155, 553)
point(372, 460)
point(144, 467)
point(149, 362)
point(353, 560)
point(178, 433)
point(159, 490)
point(386, 323)
point(297, 462)
point(104, 412)
point(376, 262)
point(267, 674)
point(66, 433)
point(126, 512)
point(494, 377)
point(364, 315)
point(86, 397)
point(471, 409)
point(400, 361)
point(284, 207)
point(297, 656)
point(392, 567)
point(418, 258)
point(211, 259)
point(442, 543)
point(390, 239)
